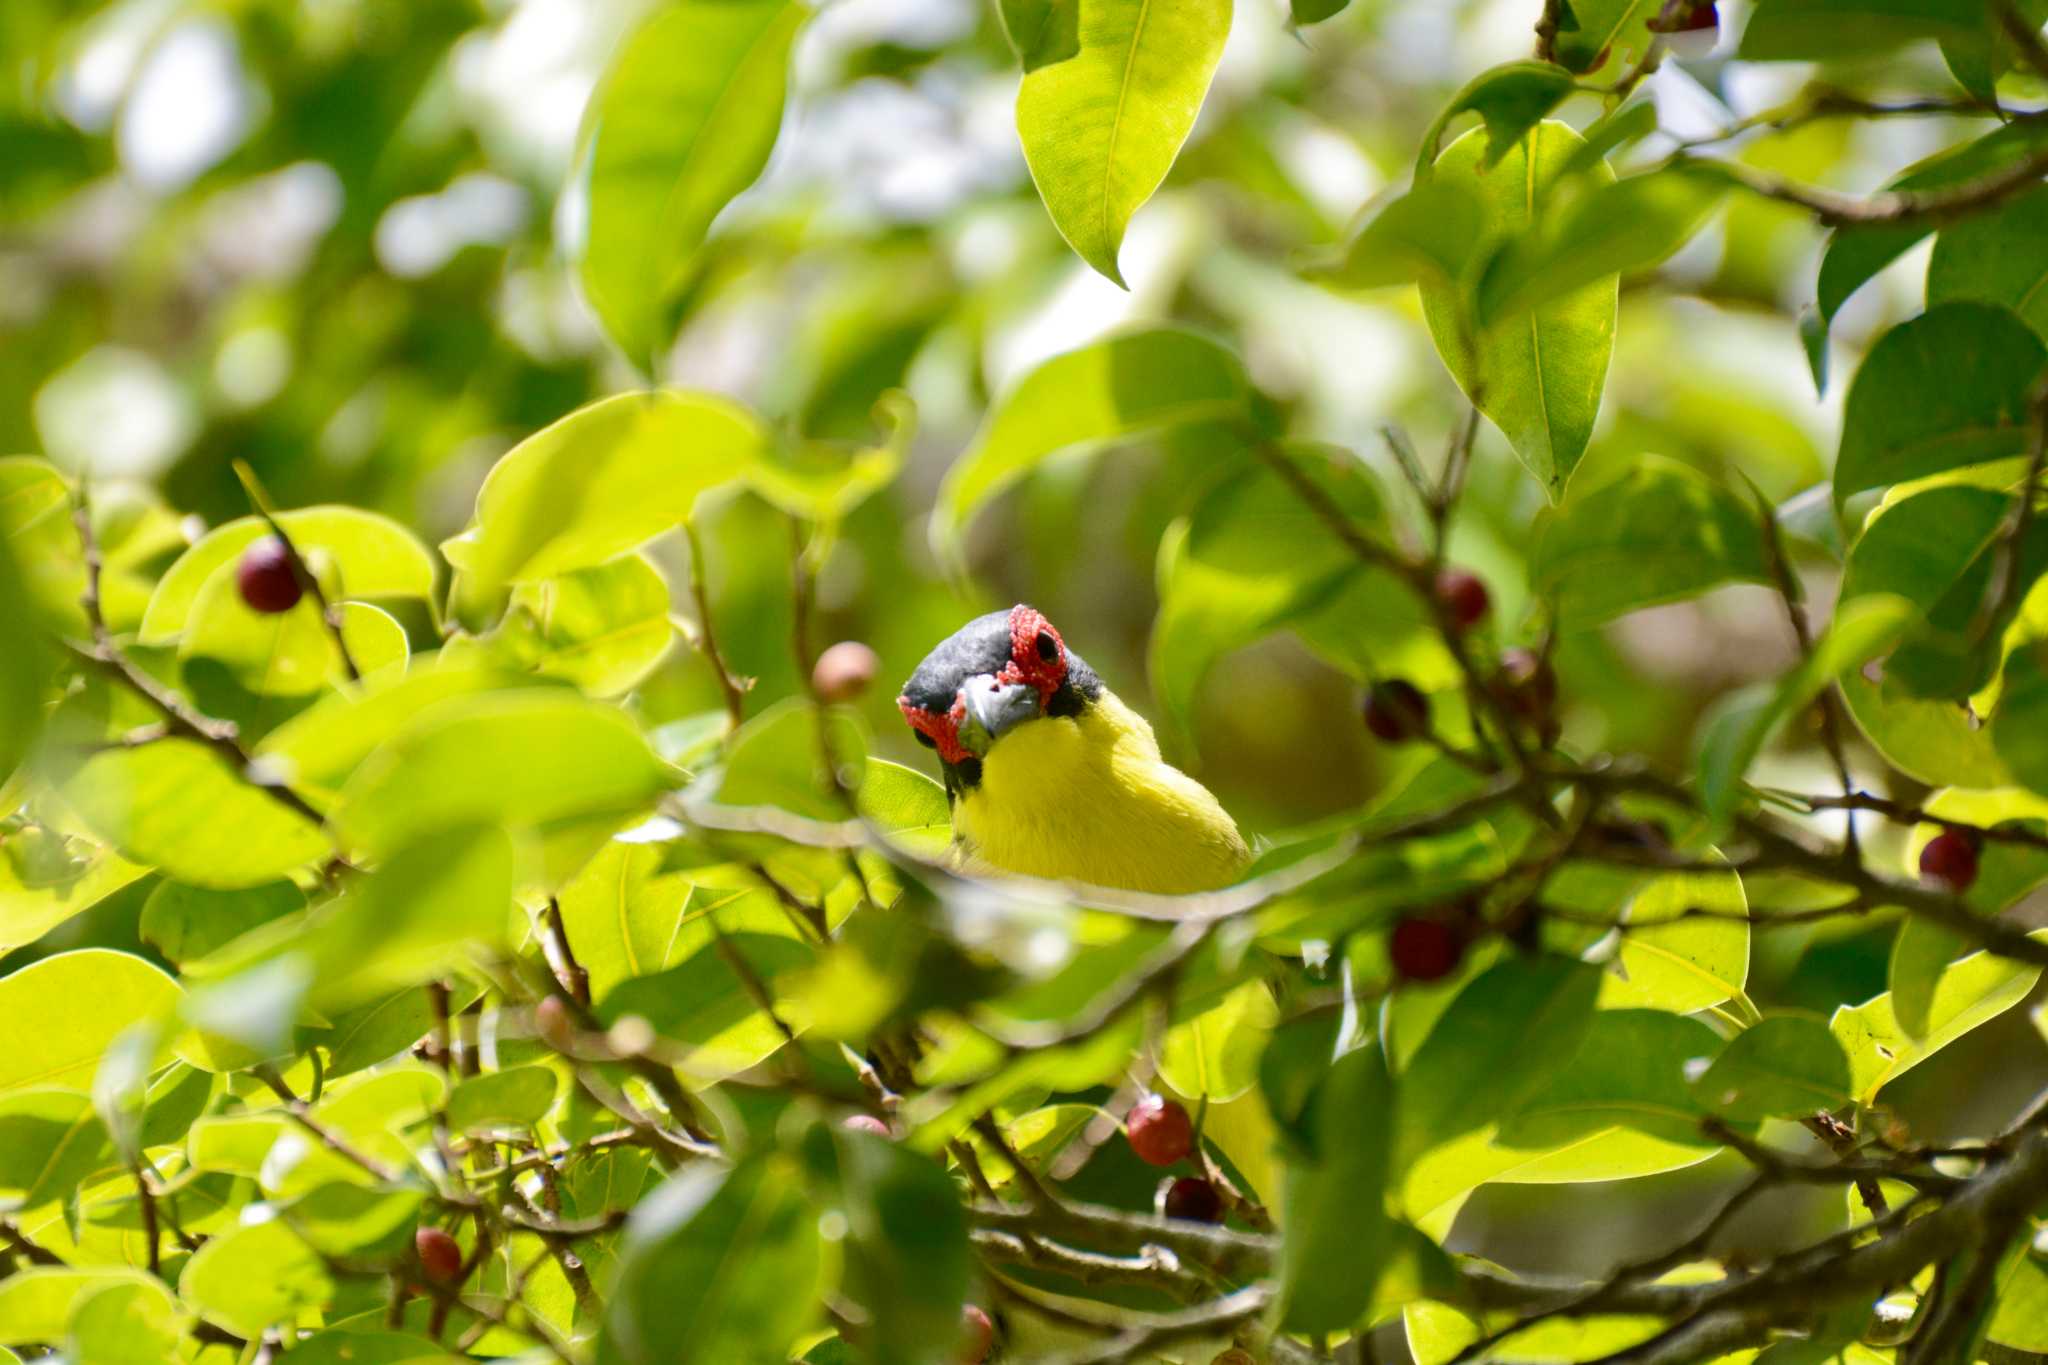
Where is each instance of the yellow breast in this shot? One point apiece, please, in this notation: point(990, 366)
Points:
point(1089, 799)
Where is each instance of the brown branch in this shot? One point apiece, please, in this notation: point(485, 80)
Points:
point(1887, 207)
point(1832, 721)
point(562, 957)
point(707, 633)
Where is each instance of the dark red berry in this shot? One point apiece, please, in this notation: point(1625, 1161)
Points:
point(1192, 1198)
point(977, 1335)
point(1160, 1131)
point(266, 578)
point(1424, 949)
point(1701, 14)
point(1396, 711)
point(1528, 685)
point(864, 1123)
point(1950, 860)
point(844, 671)
point(439, 1255)
point(1463, 597)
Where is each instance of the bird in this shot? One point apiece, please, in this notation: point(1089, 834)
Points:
point(1049, 774)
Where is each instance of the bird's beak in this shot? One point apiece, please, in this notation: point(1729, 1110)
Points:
point(994, 708)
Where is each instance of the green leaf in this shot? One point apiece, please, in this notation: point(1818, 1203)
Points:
point(604, 479)
point(1315, 11)
point(1041, 31)
point(907, 806)
point(1862, 628)
point(1604, 26)
point(1215, 1055)
point(1511, 99)
point(177, 805)
point(50, 1140)
point(1819, 30)
point(2020, 1319)
point(2019, 727)
point(518, 1097)
point(124, 1324)
point(604, 628)
point(544, 761)
point(683, 121)
point(1927, 549)
point(1672, 960)
point(24, 666)
point(284, 654)
point(703, 1001)
point(1609, 229)
point(824, 481)
point(349, 1347)
point(361, 554)
point(1854, 255)
point(1630, 1072)
point(776, 760)
point(1660, 532)
point(36, 1302)
point(1972, 992)
point(1334, 1206)
point(1128, 385)
point(1538, 377)
point(1952, 387)
point(1999, 257)
point(252, 1278)
point(1100, 129)
point(907, 1257)
point(186, 923)
point(81, 1002)
point(1784, 1066)
point(1503, 1039)
point(1254, 556)
point(1433, 232)
point(627, 918)
point(718, 1264)
point(47, 877)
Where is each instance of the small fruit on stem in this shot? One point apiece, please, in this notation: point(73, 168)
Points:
point(1160, 1131)
point(439, 1255)
point(864, 1123)
point(266, 579)
point(1396, 711)
point(552, 1023)
point(977, 1335)
point(1424, 949)
point(1463, 597)
point(844, 671)
point(1691, 18)
point(1950, 860)
point(1527, 685)
point(1193, 1198)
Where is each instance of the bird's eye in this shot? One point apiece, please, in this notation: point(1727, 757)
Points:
point(925, 739)
point(1048, 648)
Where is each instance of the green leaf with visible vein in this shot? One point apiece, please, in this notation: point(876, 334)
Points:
point(1101, 129)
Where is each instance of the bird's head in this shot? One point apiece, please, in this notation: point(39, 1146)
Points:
point(994, 674)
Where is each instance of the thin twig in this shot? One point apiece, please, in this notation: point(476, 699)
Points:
point(707, 633)
point(330, 612)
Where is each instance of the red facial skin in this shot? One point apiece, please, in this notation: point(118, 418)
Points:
point(1194, 1199)
point(1026, 665)
point(265, 578)
point(1159, 1130)
point(864, 1123)
point(1424, 949)
point(977, 1335)
point(1950, 861)
point(439, 1255)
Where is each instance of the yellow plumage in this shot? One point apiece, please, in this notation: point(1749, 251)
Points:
point(1088, 798)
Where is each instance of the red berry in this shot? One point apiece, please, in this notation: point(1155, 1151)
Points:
point(1192, 1198)
point(1701, 14)
point(1463, 597)
point(1395, 711)
point(439, 1255)
point(1160, 1131)
point(864, 1123)
point(1424, 949)
point(266, 578)
point(1950, 860)
point(1528, 685)
point(977, 1335)
point(844, 671)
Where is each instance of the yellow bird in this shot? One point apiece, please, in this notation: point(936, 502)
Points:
point(1050, 775)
